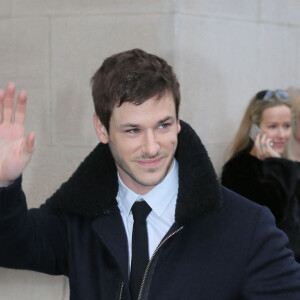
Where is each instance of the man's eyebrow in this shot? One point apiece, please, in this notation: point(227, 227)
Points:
point(128, 125)
point(135, 125)
point(167, 119)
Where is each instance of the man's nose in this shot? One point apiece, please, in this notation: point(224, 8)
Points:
point(150, 146)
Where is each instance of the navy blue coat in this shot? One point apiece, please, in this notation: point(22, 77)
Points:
point(221, 245)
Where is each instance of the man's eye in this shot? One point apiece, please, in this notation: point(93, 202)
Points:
point(164, 125)
point(132, 131)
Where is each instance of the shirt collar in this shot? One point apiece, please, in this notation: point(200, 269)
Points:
point(158, 198)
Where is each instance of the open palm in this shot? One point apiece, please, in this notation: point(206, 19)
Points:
point(15, 148)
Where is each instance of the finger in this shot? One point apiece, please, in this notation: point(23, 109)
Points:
point(268, 142)
point(258, 142)
point(257, 139)
point(263, 142)
point(1, 104)
point(9, 99)
point(20, 110)
point(30, 143)
point(262, 147)
point(271, 151)
point(256, 147)
point(267, 150)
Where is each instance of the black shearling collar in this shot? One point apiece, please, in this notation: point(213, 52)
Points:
point(94, 185)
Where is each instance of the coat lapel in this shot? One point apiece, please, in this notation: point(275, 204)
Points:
point(110, 229)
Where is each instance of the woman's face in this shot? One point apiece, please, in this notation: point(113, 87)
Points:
point(276, 123)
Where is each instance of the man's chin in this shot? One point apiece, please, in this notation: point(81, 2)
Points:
point(149, 181)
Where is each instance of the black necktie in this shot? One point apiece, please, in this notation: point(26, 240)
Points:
point(140, 253)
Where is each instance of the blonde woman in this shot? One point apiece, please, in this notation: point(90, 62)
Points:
point(258, 167)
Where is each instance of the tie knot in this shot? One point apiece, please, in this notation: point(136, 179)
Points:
point(140, 210)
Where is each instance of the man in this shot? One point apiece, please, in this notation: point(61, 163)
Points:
point(204, 241)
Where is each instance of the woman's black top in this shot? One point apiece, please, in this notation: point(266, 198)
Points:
point(273, 182)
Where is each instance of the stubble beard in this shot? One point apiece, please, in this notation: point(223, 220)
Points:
point(150, 170)
point(123, 166)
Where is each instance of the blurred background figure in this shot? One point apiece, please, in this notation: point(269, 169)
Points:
point(259, 167)
point(294, 148)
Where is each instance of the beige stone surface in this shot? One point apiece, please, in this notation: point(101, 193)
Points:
point(5, 8)
point(24, 59)
point(50, 166)
point(280, 11)
point(216, 152)
point(240, 9)
point(19, 284)
point(79, 47)
point(216, 73)
point(79, 7)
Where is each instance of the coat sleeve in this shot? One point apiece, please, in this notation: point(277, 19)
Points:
point(33, 239)
point(272, 272)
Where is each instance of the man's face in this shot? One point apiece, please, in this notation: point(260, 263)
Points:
point(143, 141)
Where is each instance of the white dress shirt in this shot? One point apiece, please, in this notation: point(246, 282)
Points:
point(162, 200)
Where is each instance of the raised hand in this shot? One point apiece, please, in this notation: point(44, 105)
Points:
point(262, 148)
point(15, 148)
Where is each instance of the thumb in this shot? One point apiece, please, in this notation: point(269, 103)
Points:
point(29, 143)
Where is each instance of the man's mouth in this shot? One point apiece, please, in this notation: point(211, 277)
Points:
point(150, 163)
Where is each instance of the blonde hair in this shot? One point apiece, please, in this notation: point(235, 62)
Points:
point(253, 115)
point(295, 102)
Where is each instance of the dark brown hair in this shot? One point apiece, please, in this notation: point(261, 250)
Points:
point(131, 76)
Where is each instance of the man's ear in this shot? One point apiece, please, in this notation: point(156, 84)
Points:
point(100, 130)
point(178, 126)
